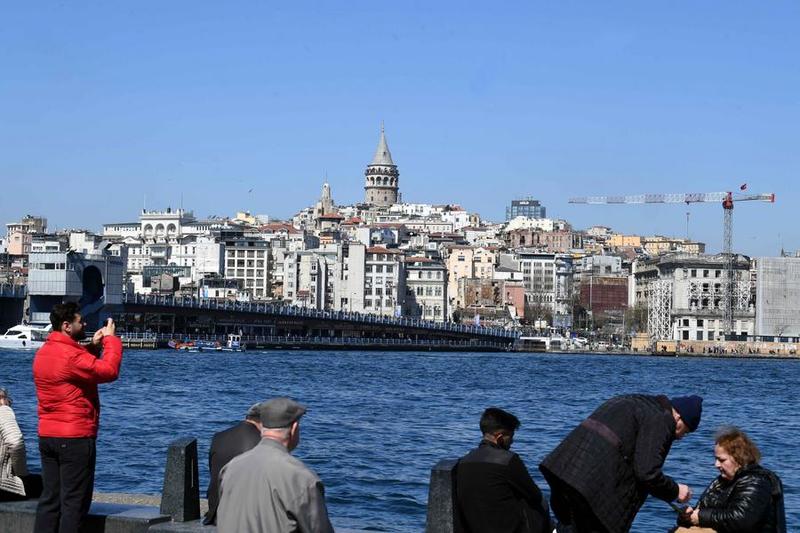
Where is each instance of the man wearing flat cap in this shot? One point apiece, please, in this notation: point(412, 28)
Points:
point(267, 490)
point(226, 445)
point(602, 472)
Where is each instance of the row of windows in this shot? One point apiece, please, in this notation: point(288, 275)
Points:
point(248, 263)
point(425, 291)
point(377, 303)
point(245, 253)
point(244, 273)
point(379, 268)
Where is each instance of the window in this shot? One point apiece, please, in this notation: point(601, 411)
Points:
point(389, 268)
point(378, 268)
point(686, 322)
point(367, 303)
point(694, 272)
point(699, 335)
point(438, 291)
point(700, 324)
point(368, 268)
point(705, 273)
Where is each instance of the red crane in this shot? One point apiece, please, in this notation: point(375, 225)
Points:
point(727, 199)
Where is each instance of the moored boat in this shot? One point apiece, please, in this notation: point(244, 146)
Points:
point(24, 337)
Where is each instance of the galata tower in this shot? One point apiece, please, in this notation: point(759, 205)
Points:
point(382, 180)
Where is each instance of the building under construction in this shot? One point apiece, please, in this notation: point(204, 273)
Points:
point(685, 296)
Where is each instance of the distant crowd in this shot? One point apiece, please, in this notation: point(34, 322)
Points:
point(599, 475)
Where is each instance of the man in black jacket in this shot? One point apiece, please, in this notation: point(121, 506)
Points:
point(494, 491)
point(226, 445)
point(601, 474)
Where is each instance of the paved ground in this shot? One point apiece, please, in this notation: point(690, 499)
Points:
point(153, 500)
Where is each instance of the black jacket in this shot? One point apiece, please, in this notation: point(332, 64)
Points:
point(752, 502)
point(225, 446)
point(614, 459)
point(495, 494)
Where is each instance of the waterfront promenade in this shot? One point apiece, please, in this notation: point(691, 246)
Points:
point(380, 420)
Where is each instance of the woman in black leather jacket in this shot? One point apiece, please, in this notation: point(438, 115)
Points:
point(745, 498)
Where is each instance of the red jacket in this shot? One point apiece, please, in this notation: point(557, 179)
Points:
point(66, 375)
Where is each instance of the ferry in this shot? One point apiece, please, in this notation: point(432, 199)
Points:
point(25, 337)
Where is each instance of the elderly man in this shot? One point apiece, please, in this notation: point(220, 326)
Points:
point(601, 474)
point(266, 490)
point(226, 445)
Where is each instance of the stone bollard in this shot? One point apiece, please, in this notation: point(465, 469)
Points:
point(441, 498)
point(181, 495)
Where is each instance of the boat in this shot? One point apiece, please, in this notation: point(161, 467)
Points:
point(234, 344)
point(25, 337)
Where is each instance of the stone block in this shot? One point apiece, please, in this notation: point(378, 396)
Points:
point(181, 495)
point(441, 498)
point(19, 517)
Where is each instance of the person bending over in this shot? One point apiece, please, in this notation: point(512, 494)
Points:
point(602, 472)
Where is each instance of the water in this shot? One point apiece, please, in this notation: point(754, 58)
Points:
point(379, 421)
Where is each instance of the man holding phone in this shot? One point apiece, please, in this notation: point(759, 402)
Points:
point(66, 375)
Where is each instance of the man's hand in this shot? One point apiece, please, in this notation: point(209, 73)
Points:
point(97, 338)
point(684, 493)
point(110, 329)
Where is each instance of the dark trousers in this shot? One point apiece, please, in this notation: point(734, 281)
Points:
point(573, 512)
point(68, 478)
point(33, 489)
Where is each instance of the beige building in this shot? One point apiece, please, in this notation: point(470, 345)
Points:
point(467, 262)
point(617, 240)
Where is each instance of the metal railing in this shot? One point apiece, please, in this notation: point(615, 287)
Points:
point(9, 290)
point(305, 312)
point(318, 340)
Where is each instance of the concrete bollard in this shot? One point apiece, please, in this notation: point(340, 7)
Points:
point(181, 495)
point(441, 498)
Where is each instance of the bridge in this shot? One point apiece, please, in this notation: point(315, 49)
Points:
point(12, 303)
point(270, 324)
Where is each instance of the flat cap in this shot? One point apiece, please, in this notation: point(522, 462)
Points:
point(280, 412)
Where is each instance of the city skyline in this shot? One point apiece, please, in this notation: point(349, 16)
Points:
point(251, 109)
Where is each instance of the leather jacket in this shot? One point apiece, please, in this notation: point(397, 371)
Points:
point(752, 502)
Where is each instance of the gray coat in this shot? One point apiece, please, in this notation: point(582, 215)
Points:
point(266, 490)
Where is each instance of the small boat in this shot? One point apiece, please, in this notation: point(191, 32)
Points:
point(185, 346)
point(234, 344)
point(25, 337)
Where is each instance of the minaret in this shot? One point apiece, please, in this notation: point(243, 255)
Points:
point(382, 180)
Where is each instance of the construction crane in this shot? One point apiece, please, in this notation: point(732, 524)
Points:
point(727, 199)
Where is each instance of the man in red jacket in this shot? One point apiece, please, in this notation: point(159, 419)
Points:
point(66, 375)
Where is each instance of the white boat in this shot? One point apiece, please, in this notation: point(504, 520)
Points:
point(25, 337)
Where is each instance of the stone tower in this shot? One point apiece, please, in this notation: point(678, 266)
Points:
point(382, 180)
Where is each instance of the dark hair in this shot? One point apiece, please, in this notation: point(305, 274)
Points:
point(494, 419)
point(63, 313)
point(738, 445)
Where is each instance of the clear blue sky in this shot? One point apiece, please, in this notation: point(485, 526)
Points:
point(104, 102)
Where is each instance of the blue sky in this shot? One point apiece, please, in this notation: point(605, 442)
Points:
point(102, 103)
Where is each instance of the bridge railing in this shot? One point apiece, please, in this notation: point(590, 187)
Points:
point(10, 290)
point(319, 340)
point(307, 312)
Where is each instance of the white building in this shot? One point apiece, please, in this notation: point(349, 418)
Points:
point(426, 289)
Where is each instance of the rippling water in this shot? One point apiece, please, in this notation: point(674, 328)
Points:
point(379, 421)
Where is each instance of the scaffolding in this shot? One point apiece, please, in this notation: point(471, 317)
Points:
point(659, 310)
